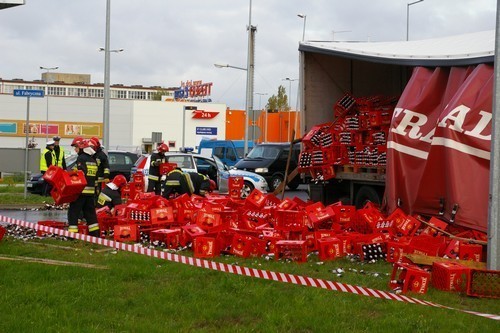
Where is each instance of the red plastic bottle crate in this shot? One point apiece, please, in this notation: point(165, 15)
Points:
point(484, 283)
point(50, 224)
point(407, 277)
point(449, 276)
point(2, 232)
point(126, 233)
point(329, 248)
point(205, 247)
point(171, 237)
point(295, 250)
point(472, 252)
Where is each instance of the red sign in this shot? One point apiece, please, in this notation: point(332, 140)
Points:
point(201, 114)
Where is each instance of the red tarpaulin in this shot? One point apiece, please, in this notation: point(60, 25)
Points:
point(439, 144)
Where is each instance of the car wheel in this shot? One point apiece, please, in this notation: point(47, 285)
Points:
point(247, 189)
point(365, 194)
point(275, 182)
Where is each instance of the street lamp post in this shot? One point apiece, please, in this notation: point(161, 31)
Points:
point(106, 95)
point(408, 17)
point(47, 69)
point(304, 17)
point(289, 103)
point(260, 108)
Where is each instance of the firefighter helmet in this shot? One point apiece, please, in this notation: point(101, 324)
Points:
point(119, 180)
point(163, 148)
point(94, 142)
point(213, 185)
point(76, 140)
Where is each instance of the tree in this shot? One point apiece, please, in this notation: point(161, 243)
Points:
point(278, 102)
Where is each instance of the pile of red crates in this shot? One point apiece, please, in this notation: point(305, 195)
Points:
point(291, 229)
point(356, 139)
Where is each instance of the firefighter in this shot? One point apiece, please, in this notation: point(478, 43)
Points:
point(110, 196)
point(102, 165)
point(202, 184)
point(59, 152)
point(84, 204)
point(47, 159)
point(178, 182)
point(157, 158)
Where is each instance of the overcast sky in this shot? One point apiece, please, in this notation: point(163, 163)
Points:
point(167, 42)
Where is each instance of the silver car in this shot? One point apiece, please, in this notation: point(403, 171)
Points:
point(211, 166)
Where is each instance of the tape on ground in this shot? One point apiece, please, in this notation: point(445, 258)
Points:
point(240, 270)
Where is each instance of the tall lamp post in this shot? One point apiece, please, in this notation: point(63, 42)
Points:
point(260, 108)
point(47, 69)
point(289, 103)
point(408, 17)
point(106, 96)
point(304, 17)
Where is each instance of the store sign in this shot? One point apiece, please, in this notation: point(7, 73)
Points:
point(206, 130)
point(202, 114)
point(193, 90)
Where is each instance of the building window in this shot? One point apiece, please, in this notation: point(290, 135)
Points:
point(99, 93)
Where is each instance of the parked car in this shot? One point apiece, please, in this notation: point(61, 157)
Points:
point(120, 162)
point(229, 151)
point(269, 160)
point(210, 166)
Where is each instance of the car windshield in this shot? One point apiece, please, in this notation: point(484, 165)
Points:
point(266, 152)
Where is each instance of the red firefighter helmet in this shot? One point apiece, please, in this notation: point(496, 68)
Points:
point(119, 180)
point(94, 142)
point(163, 148)
point(213, 185)
point(76, 140)
point(82, 144)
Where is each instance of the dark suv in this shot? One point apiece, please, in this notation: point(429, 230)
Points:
point(269, 161)
point(120, 162)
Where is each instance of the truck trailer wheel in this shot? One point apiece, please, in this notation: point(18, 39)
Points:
point(247, 189)
point(365, 194)
point(275, 182)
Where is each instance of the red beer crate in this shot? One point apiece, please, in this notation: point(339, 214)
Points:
point(472, 252)
point(165, 168)
point(256, 199)
point(60, 198)
point(484, 283)
point(344, 215)
point(171, 237)
point(449, 276)
point(407, 277)
point(107, 225)
point(290, 220)
point(329, 248)
point(71, 182)
point(2, 232)
point(190, 232)
point(235, 186)
point(396, 250)
point(162, 215)
point(126, 233)
point(50, 224)
point(434, 222)
point(205, 247)
point(295, 250)
point(207, 219)
point(52, 174)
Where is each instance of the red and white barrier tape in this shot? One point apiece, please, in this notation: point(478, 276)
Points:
point(240, 270)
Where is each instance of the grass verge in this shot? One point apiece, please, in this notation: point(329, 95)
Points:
point(142, 294)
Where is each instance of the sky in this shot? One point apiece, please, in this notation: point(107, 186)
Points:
point(166, 42)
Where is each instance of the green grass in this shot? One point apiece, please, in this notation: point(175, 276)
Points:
point(141, 294)
point(15, 195)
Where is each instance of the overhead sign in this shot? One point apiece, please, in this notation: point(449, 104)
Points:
point(28, 93)
point(206, 130)
point(202, 114)
point(194, 91)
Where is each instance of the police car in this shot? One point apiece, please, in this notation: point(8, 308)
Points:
point(210, 166)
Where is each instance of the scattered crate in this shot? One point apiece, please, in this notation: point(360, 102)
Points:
point(484, 283)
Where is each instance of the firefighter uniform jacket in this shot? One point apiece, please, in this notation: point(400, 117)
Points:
point(201, 183)
point(88, 165)
point(109, 197)
point(154, 166)
point(178, 182)
point(102, 165)
point(47, 159)
point(84, 204)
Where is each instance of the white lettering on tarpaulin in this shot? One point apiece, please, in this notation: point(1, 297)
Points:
point(412, 122)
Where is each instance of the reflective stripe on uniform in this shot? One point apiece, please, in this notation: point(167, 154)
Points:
point(152, 177)
point(103, 198)
point(89, 190)
point(173, 183)
point(93, 227)
point(73, 228)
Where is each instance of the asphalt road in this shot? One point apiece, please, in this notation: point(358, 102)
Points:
point(32, 215)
